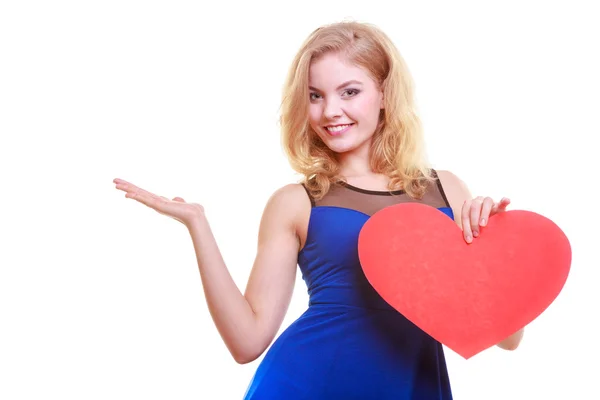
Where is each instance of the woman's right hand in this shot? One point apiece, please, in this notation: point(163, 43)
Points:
point(177, 208)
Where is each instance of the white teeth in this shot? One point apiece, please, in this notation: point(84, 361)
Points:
point(337, 128)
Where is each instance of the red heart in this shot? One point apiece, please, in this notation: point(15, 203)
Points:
point(468, 297)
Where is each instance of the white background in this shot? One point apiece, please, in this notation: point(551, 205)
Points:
point(100, 297)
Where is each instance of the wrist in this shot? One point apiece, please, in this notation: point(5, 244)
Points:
point(197, 222)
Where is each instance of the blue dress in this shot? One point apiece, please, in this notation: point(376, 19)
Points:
point(349, 343)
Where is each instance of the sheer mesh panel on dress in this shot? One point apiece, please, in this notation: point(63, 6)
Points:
point(369, 202)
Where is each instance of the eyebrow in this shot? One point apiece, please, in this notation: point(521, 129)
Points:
point(340, 86)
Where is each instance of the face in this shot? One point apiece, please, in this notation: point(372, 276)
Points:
point(345, 104)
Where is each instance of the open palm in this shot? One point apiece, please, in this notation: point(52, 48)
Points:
point(177, 208)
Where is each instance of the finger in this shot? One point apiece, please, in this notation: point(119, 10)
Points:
point(159, 204)
point(143, 196)
point(475, 211)
point(131, 189)
point(501, 205)
point(504, 203)
point(122, 182)
point(178, 199)
point(486, 209)
point(466, 224)
point(166, 199)
point(135, 192)
point(125, 186)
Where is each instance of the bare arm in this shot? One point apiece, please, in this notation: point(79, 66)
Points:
point(458, 193)
point(248, 322)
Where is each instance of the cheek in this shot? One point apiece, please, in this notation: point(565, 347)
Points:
point(314, 115)
point(366, 110)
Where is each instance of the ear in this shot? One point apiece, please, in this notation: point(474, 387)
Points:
point(381, 97)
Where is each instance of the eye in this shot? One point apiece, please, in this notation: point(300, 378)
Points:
point(351, 92)
point(314, 96)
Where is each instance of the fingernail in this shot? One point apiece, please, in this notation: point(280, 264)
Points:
point(469, 238)
point(483, 222)
point(476, 233)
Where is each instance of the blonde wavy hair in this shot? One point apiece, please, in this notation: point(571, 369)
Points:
point(398, 148)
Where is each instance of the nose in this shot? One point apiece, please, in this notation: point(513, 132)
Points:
point(332, 108)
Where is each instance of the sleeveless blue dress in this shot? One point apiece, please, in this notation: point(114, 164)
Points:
point(349, 343)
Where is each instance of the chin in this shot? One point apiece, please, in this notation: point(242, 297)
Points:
point(341, 147)
point(342, 150)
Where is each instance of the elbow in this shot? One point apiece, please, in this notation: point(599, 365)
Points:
point(512, 343)
point(510, 346)
point(247, 349)
point(246, 355)
point(243, 358)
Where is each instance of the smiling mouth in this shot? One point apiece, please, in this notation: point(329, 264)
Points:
point(338, 129)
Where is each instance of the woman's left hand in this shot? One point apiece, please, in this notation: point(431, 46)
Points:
point(476, 214)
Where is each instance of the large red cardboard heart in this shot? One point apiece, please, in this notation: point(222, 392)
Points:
point(468, 297)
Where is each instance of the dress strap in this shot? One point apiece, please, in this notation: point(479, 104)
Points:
point(440, 187)
point(312, 200)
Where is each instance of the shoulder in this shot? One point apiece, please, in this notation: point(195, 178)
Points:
point(286, 212)
point(456, 190)
point(289, 202)
point(453, 185)
point(291, 195)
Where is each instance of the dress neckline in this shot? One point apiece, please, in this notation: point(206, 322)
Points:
point(369, 191)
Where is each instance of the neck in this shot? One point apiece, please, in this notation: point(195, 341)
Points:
point(355, 163)
point(356, 169)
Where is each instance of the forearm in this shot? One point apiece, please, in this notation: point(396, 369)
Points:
point(232, 314)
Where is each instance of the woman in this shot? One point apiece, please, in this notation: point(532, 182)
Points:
point(349, 126)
